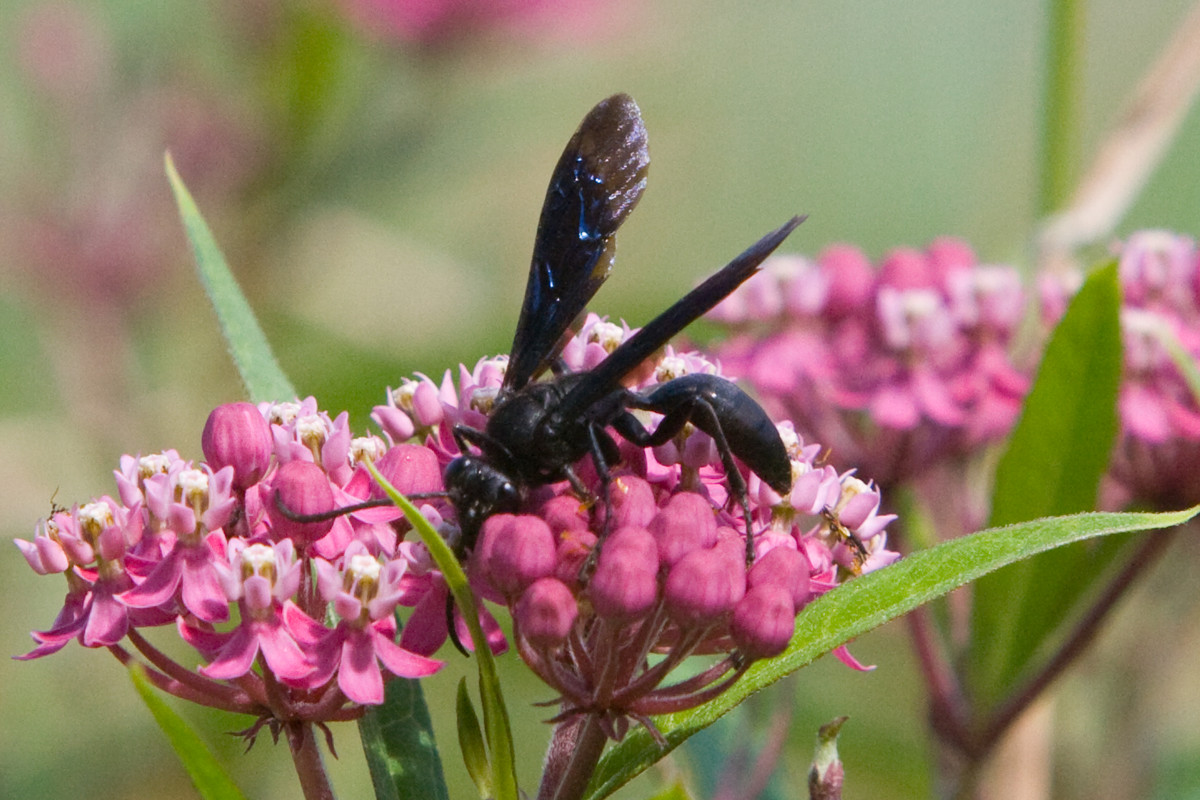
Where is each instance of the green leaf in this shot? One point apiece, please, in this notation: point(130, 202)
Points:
point(676, 791)
point(1183, 360)
point(1054, 462)
point(207, 774)
point(398, 742)
point(261, 374)
point(495, 715)
point(470, 742)
point(865, 603)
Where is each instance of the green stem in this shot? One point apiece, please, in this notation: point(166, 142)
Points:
point(1060, 114)
point(495, 715)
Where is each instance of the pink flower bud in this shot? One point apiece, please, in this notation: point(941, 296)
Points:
point(563, 513)
point(702, 588)
point(763, 622)
point(625, 585)
point(411, 469)
point(905, 268)
point(855, 511)
point(302, 488)
point(573, 549)
point(631, 502)
point(545, 613)
point(684, 524)
point(947, 253)
point(237, 435)
point(783, 568)
point(851, 279)
point(515, 551)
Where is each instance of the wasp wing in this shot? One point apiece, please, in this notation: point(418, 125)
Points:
point(597, 182)
point(607, 375)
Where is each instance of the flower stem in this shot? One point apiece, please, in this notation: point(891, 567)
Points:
point(1146, 555)
point(1060, 112)
point(574, 753)
point(307, 758)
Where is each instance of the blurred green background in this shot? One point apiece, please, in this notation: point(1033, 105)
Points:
point(376, 191)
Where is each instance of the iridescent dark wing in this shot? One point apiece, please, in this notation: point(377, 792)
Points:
point(607, 375)
point(597, 182)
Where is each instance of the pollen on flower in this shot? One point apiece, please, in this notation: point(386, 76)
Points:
point(282, 413)
point(483, 398)
point(154, 464)
point(95, 518)
point(311, 431)
point(362, 570)
point(258, 559)
point(365, 449)
point(193, 484)
point(608, 335)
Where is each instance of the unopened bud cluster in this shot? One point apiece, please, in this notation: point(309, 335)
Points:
point(669, 576)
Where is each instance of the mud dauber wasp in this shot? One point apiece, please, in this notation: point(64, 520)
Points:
point(538, 429)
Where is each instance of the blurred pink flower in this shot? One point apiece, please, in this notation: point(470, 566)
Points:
point(438, 23)
point(898, 370)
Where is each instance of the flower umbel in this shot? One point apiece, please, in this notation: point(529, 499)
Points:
point(604, 623)
point(895, 369)
point(187, 542)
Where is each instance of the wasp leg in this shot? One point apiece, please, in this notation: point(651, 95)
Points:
point(700, 412)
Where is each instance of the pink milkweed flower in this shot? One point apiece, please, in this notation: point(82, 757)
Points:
point(437, 24)
point(88, 545)
point(428, 627)
point(262, 579)
point(303, 432)
point(190, 568)
point(897, 370)
point(237, 435)
point(1157, 453)
point(364, 594)
point(411, 411)
point(671, 575)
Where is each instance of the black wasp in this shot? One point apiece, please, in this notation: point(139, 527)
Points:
point(538, 429)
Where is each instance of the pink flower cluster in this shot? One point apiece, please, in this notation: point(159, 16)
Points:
point(1158, 449)
point(438, 23)
point(671, 576)
point(316, 593)
point(894, 368)
point(187, 543)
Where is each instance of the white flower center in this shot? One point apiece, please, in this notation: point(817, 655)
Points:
point(153, 464)
point(95, 517)
point(258, 559)
point(283, 413)
point(366, 449)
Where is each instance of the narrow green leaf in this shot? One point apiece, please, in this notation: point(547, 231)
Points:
point(261, 374)
point(495, 715)
point(470, 742)
point(398, 742)
point(676, 791)
point(1179, 355)
point(207, 774)
point(865, 603)
point(1054, 462)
